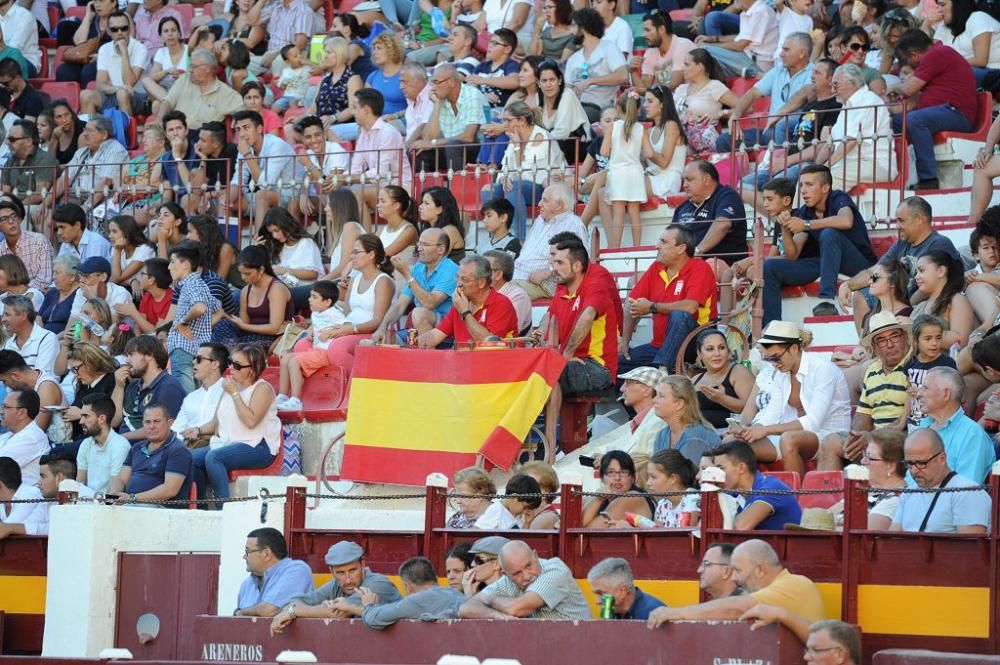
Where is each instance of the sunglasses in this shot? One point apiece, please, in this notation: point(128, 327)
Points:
point(479, 560)
point(238, 366)
point(117, 28)
point(200, 359)
point(857, 47)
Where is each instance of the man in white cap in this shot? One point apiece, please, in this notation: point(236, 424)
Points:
point(638, 389)
point(425, 598)
point(339, 598)
point(884, 394)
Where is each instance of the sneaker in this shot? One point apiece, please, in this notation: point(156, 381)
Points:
point(280, 399)
point(825, 308)
point(291, 404)
point(922, 185)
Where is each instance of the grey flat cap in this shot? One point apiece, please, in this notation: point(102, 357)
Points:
point(489, 545)
point(343, 553)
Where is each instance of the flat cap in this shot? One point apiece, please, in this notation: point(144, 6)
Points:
point(343, 553)
point(489, 545)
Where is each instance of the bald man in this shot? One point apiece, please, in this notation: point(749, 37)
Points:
point(762, 579)
point(531, 587)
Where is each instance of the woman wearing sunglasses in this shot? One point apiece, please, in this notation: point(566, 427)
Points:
point(798, 399)
point(857, 43)
point(246, 432)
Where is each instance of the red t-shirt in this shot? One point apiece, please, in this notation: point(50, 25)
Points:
point(949, 80)
point(497, 315)
point(607, 280)
point(695, 281)
point(155, 310)
point(601, 343)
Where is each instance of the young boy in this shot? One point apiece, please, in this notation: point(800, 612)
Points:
point(309, 355)
point(793, 16)
point(294, 79)
point(498, 214)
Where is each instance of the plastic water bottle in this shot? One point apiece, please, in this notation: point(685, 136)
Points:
point(639, 521)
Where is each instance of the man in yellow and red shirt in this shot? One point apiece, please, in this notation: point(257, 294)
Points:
point(680, 293)
point(479, 311)
point(586, 326)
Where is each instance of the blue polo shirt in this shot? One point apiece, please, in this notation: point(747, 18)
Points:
point(149, 468)
point(780, 85)
point(785, 508)
point(168, 167)
point(444, 278)
point(164, 389)
point(857, 234)
point(969, 448)
point(641, 606)
point(279, 585)
point(724, 202)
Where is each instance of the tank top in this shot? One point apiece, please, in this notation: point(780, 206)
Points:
point(363, 304)
point(714, 412)
point(388, 236)
point(338, 250)
point(64, 156)
point(261, 314)
point(232, 430)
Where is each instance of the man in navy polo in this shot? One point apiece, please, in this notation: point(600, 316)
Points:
point(145, 361)
point(613, 577)
point(157, 468)
point(835, 223)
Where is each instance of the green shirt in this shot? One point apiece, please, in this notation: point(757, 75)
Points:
point(35, 172)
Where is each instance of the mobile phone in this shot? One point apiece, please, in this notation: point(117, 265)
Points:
point(587, 461)
point(734, 422)
point(605, 515)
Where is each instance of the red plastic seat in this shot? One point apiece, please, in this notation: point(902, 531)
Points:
point(682, 15)
point(187, 15)
point(820, 480)
point(59, 59)
point(271, 470)
point(68, 90)
point(984, 118)
point(467, 190)
point(790, 478)
point(132, 134)
point(324, 395)
point(76, 12)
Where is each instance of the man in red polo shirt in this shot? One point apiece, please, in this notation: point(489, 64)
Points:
point(680, 293)
point(596, 272)
point(479, 311)
point(586, 327)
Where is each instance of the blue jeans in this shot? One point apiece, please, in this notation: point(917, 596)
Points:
point(679, 324)
point(524, 193)
point(492, 149)
point(182, 369)
point(837, 255)
point(759, 178)
point(920, 127)
point(718, 23)
point(753, 136)
point(212, 467)
point(403, 12)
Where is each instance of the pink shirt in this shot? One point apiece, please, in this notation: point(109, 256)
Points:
point(418, 111)
point(378, 153)
point(147, 27)
point(655, 63)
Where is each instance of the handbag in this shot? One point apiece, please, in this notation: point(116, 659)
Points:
point(286, 342)
point(80, 54)
point(701, 134)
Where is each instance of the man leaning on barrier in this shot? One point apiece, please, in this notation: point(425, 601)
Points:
point(425, 599)
point(274, 577)
point(339, 598)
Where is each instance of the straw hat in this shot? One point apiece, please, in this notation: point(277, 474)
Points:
point(814, 519)
point(780, 332)
point(881, 322)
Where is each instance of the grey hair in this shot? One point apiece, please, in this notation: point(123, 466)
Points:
point(447, 69)
point(415, 70)
point(951, 379)
point(614, 570)
point(843, 634)
point(504, 262)
point(852, 73)
point(562, 192)
point(69, 262)
point(104, 124)
point(483, 269)
point(918, 205)
point(206, 55)
point(21, 305)
point(804, 39)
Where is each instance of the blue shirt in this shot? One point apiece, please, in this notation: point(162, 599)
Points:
point(641, 606)
point(395, 100)
point(281, 583)
point(857, 234)
point(506, 69)
point(968, 447)
point(91, 245)
point(164, 389)
point(695, 441)
point(149, 468)
point(168, 167)
point(779, 84)
point(444, 278)
point(193, 290)
point(724, 202)
point(785, 508)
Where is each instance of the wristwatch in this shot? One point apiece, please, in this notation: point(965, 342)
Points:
point(808, 224)
point(291, 611)
point(466, 313)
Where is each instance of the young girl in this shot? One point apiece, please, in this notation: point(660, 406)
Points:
point(927, 354)
point(670, 471)
point(627, 189)
point(592, 184)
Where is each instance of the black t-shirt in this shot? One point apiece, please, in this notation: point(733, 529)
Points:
point(724, 202)
point(810, 250)
point(220, 169)
point(30, 103)
point(816, 115)
point(858, 233)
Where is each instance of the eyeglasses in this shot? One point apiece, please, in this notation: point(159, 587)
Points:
point(74, 368)
point(355, 252)
point(8, 406)
point(857, 47)
point(812, 651)
point(889, 341)
point(874, 277)
point(15, 139)
point(480, 560)
point(200, 359)
point(428, 244)
point(7, 219)
point(921, 464)
point(774, 360)
point(117, 28)
point(621, 473)
point(496, 42)
point(248, 552)
point(868, 458)
point(708, 564)
point(238, 366)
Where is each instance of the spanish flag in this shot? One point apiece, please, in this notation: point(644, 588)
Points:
point(414, 412)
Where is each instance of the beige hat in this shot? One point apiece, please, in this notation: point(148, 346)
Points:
point(881, 322)
point(814, 519)
point(649, 376)
point(780, 332)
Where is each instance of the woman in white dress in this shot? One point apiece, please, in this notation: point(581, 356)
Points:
point(626, 187)
point(296, 258)
point(664, 145)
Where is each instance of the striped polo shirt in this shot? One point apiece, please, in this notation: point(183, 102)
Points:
point(884, 394)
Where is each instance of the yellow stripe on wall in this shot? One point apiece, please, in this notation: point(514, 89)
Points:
point(924, 610)
point(22, 594)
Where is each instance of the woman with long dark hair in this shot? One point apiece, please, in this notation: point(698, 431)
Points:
point(941, 278)
point(664, 146)
point(399, 237)
point(439, 208)
point(265, 303)
point(218, 255)
point(130, 249)
point(169, 227)
point(343, 228)
point(358, 34)
point(701, 98)
point(562, 113)
point(67, 131)
point(618, 476)
point(972, 32)
point(296, 257)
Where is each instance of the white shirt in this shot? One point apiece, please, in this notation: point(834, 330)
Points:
point(26, 448)
point(110, 61)
point(497, 17)
point(952, 510)
point(859, 120)
point(334, 158)
point(522, 303)
point(277, 162)
point(495, 518)
point(788, 23)
point(535, 251)
point(759, 25)
point(116, 295)
point(37, 523)
point(825, 397)
point(620, 34)
point(102, 463)
point(198, 407)
point(91, 244)
point(39, 350)
point(23, 513)
point(141, 253)
point(604, 59)
point(305, 255)
point(20, 32)
point(162, 56)
point(977, 24)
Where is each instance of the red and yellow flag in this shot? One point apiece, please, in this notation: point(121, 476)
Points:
point(413, 412)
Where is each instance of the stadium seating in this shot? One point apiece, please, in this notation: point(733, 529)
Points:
point(822, 480)
point(984, 117)
point(790, 478)
point(271, 470)
point(68, 90)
